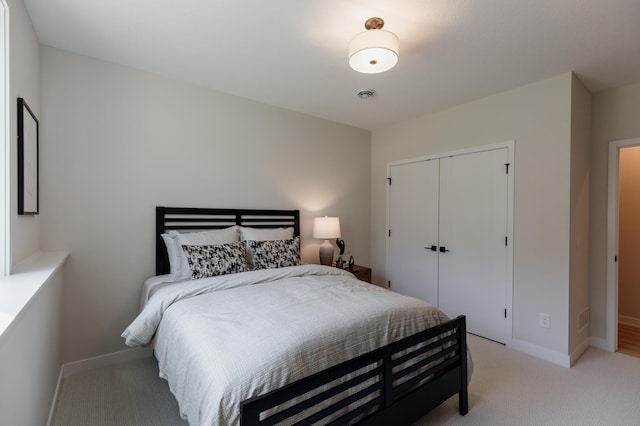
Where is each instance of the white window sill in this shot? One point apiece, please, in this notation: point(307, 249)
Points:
point(29, 276)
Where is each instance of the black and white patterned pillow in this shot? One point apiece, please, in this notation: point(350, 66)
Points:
point(220, 259)
point(275, 254)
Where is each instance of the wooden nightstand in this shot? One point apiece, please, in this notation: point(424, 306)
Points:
point(361, 272)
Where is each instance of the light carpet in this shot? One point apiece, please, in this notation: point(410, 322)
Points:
point(511, 388)
point(126, 394)
point(507, 388)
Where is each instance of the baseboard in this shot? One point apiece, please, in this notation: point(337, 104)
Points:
point(105, 360)
point(598, 342)
point(554, 357)
point(577, 353)
point(630, 321)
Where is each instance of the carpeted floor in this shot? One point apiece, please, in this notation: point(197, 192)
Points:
point(127, 394)
point(510, 388)
point(507, 388)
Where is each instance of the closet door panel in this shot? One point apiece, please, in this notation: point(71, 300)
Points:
point(473, 226)
point(413, 222)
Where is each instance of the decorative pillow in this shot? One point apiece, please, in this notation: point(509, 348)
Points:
point(262, 234)
point(205, 238)
point(275, 253)
point(210, 261)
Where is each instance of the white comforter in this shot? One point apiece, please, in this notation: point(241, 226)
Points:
point(245, 334)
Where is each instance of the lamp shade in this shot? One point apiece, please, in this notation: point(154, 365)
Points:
point(374, 51)
point(326, 228)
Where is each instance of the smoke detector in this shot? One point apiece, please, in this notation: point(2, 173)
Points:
point(365, 93)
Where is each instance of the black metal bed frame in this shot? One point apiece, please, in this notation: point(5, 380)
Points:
point(389, 399)
point(395, 384)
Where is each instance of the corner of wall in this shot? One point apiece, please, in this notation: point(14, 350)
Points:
point(579, 211)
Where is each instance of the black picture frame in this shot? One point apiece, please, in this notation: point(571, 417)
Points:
point(28, 160)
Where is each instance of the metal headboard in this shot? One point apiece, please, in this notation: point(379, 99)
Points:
point(195, 219)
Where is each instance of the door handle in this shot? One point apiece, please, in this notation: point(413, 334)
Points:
point(443, 249)
point(432, 248)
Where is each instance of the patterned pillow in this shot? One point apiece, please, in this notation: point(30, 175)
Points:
point(275, 254)
point(220, 259)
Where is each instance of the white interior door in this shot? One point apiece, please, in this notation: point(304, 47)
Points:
point(473, 228)
point(413, 222)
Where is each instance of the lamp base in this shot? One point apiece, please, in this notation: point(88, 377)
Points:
point(326, 253)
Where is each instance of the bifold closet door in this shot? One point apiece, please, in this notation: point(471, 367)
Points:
point(413, 225)
point(473, 227)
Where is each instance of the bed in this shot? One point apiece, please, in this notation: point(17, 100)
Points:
point(297, 344)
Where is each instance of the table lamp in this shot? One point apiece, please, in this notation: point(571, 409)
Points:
point(326, 228)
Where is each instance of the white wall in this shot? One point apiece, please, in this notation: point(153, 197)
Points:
point(614, 117)
point(30, 358)
point(579, 211)
point(537, 117)
point(121, 141)
point(24, 59)
point(30, 347)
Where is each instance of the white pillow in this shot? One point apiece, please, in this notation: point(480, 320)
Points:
point(268, 234)
point(205, 238)
point(263, 234)
point(172, 252)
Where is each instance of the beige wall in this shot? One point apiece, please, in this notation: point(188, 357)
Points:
point(614, 117)
point(121, 141)
point(24, 59)
point(537, 117)
point(579, 211)
point(629, 233)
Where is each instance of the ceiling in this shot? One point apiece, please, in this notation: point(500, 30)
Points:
point(293, 53)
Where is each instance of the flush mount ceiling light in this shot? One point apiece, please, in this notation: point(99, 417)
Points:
point(375, 50)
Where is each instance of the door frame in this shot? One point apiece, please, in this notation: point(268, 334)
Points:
point(510, 146)
point(611, 340)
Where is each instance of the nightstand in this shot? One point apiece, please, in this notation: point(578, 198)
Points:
point(361, 272)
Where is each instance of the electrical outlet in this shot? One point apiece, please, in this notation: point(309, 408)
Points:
point(545, 320)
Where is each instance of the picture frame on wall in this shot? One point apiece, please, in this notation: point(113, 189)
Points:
point(28, 162)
